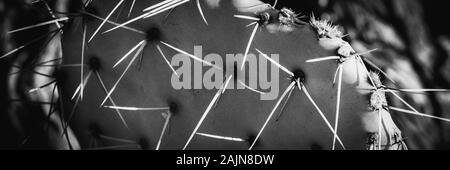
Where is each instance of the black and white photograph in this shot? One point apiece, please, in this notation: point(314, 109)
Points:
point(244, 75)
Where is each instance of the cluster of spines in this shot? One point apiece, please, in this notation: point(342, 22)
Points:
point(325, 28)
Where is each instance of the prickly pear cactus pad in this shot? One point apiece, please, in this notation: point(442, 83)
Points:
point(196, 75)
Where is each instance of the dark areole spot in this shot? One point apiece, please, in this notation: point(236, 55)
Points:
point(76, 7)
point(94, 63)
point(251, 137)
point(299, 75)
point(173, 107)
point(144, 144)
point(154, 34)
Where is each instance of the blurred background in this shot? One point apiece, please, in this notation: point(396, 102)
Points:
point(412, 36)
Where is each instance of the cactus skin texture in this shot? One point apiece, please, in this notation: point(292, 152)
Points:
point(239, 114)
